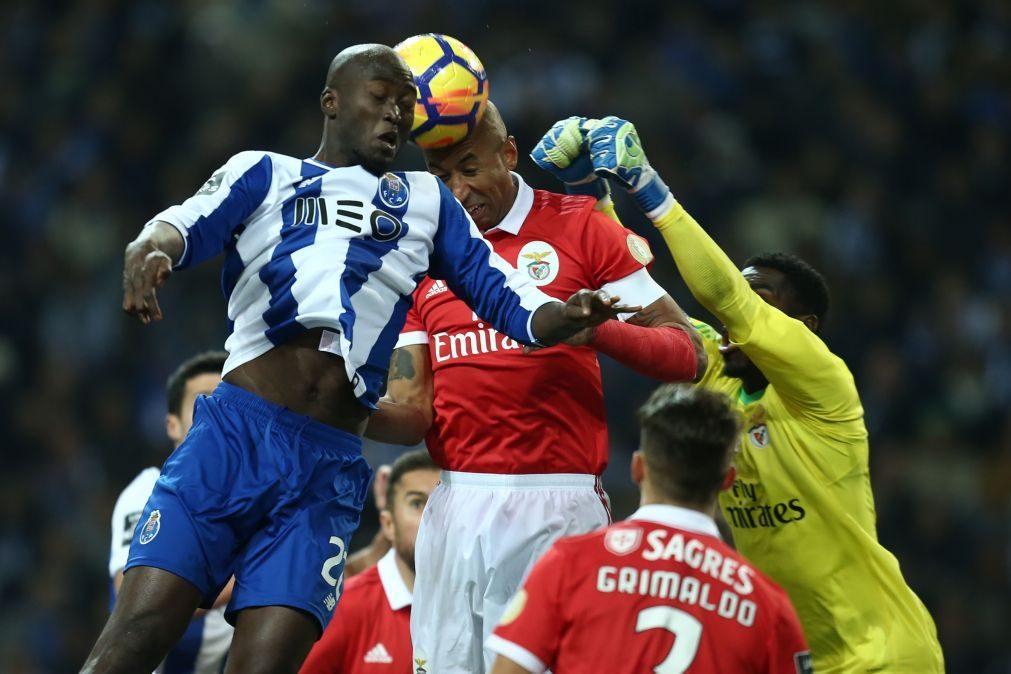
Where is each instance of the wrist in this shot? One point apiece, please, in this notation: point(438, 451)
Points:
point(550, 324)
point(652, 196)
point(592, 186)
point(159, 236)
point(603, 333)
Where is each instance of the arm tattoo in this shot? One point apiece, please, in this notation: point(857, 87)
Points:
point(403, 365)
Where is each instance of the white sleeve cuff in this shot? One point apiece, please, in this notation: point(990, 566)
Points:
point(412, 338)
point(516, 653)
point(638, 288)
point(179, 228)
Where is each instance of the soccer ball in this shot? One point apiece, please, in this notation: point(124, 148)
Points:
point(452, 88)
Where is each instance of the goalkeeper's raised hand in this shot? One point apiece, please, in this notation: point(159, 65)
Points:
point(616, 153)
point(563, 153)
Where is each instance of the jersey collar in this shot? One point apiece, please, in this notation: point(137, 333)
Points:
point(522, 204)
point(396, 589)
point(677, 517)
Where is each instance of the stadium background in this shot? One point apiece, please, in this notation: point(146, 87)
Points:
point(870, 137)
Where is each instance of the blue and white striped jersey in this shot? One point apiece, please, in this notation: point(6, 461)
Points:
point(307, 246)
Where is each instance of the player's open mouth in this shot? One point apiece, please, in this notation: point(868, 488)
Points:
point(475, 211)
point(389, 140)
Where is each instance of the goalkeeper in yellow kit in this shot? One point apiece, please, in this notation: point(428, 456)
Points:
point(801, 507)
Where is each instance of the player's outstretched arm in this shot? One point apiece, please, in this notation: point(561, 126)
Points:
point(659, 342)
point(147, 264)
point(790, 355)
point(405, 413)
point(555, 322)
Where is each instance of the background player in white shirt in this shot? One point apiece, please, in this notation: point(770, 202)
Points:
point(321, 257)
point(204, 645)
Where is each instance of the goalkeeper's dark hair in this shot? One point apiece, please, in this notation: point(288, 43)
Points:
point(208, 362)
point(808, 285)
point(689, 435)
point(417, 459)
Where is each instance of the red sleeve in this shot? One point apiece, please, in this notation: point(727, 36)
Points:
point(534, 620)
point(413, 322)
point(788, 651)
point(612, 251)
point(326, 655)
point(414, 331)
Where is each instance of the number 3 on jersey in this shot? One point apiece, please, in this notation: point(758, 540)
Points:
point(687, 631)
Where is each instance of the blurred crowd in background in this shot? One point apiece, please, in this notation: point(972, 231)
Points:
point(871, 138)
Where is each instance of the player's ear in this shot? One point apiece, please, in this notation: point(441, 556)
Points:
point(328, 102)
point(638, 467)
point(728, 479)
point(386, 525)
point(811, 321)
point(510, 154)
point(174, 428)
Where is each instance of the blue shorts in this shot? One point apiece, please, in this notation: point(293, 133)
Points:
point(259, 492)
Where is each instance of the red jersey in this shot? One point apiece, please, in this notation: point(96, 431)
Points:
point(370, 632)
point(659, 592)
point(498, 410)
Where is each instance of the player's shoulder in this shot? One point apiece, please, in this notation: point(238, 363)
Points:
point(362, 593)
point(422, 180)
point(364, 583)
point(428, 288)
point(553, 205)
point(247, 159)
point(426, 192)
point(583, 545)
point(707, 331)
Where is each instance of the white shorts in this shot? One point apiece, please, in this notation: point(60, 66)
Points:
point(479, 536)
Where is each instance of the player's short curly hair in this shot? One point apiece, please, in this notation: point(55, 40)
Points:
point(417, 459)
point(808, 285)
point(689, 435)
point(208, 362)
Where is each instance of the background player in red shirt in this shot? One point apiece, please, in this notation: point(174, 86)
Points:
point(521, 438)
point(371, 629)
point(659, 592)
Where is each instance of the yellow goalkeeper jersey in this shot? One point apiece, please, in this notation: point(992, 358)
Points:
point(801, 507)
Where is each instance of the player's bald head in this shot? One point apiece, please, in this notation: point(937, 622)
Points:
point(364, 61)
point(491, 126)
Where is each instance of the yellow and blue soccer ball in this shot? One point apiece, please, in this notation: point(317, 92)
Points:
point(452, 88)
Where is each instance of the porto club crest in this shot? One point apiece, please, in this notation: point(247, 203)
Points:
point(151, 527)
point(393, 191)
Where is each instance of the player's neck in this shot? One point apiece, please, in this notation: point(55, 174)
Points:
point(331, 155)
point(753, 382)
point(406, 572)
point(649, 497)
point(331, 158)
